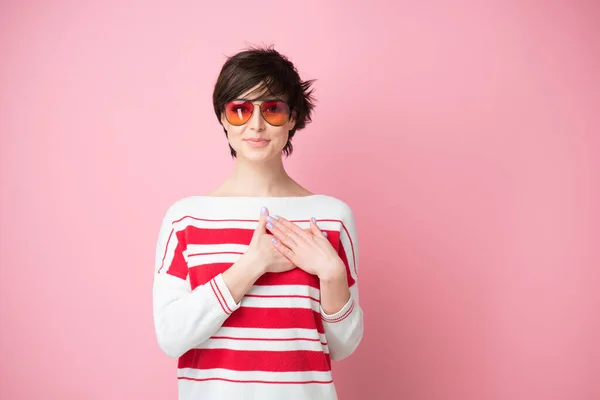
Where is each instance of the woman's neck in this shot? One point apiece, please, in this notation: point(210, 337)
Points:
point(259, 179)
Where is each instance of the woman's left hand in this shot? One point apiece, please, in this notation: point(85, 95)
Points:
point(309, 249)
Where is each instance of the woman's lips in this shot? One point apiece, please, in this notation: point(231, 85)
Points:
point(257, 142)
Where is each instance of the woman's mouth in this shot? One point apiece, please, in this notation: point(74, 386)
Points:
point(257, 142)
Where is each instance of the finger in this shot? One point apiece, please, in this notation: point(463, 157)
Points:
point(314, 228)
point(288, 227)
point(282, 234)
point(284, 250)
point(262, 222)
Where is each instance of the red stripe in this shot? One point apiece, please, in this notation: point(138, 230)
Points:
point(295, 276)
point(201, 274)
point(283, 318)
point(342, 254)
point(177, 266)
point(333, 237)
point(212, 286)
point(351, 246)
point(254, 381)
point(255, 360)
point(218, 236)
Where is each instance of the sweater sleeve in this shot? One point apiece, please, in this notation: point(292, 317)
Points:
point(184, 318)
point(344, 329)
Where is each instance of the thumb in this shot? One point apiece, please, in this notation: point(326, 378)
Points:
point(261, 229)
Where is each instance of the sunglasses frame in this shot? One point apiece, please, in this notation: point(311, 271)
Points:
point(260, 108)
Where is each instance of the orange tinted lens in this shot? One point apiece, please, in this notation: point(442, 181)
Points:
point(275, 112)
point(238, 112)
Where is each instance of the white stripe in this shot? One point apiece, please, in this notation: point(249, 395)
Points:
point(280, 302)
point(248, 224)
point(210, 224)
point(264, 345)
point(190, 389)
point(263, 376)
point(285, 290)
point(195, 261)
point(271, 333)
point(193, 249)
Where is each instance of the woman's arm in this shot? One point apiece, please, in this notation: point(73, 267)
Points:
point(309, 250)
point(183, 318)
point(340, 311)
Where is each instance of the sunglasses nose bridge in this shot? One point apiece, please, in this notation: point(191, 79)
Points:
point(256, 121)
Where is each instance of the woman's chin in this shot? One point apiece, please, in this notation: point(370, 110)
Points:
point(258, 155)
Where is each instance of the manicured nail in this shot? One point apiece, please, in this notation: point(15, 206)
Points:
point(263, 210)
point(314, 220)
point(270, 219)
point(325, 234)
point(275, 241)
point(270, 225)
point(276, 217)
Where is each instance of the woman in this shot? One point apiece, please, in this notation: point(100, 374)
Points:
point(255, 285)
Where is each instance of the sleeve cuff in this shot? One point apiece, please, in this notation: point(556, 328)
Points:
point(223, 295)
point(341, 315)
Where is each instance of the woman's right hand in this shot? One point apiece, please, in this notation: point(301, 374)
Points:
point(261, 252)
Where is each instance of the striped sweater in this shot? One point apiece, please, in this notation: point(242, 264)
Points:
point(277, 342)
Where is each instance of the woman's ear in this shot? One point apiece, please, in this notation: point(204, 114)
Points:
point(292, 120)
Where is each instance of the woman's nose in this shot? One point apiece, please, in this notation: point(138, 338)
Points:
point(257, 121)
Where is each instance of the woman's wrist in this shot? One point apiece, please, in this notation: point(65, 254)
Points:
point(252, 264)
point(334, 272)
point(240, 277)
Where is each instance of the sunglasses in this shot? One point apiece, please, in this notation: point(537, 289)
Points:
point(275, 112)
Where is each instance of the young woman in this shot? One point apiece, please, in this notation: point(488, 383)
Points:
point(255, 286)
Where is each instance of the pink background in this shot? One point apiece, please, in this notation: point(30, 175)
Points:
point(464, 136)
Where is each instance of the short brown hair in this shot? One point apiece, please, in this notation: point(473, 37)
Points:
point(276, 74)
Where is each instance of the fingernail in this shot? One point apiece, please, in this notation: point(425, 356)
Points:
point(314, 220)
point(276, 217)
point(270, 226)
point(275, 241)
point(325, 234)
point(263, 210)
point(270, 219)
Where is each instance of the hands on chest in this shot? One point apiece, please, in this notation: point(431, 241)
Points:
point(280, 245)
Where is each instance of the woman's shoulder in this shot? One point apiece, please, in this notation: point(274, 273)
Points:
point(183, 206)
point(333, 202)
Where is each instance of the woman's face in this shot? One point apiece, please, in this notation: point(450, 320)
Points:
point(256, 139)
